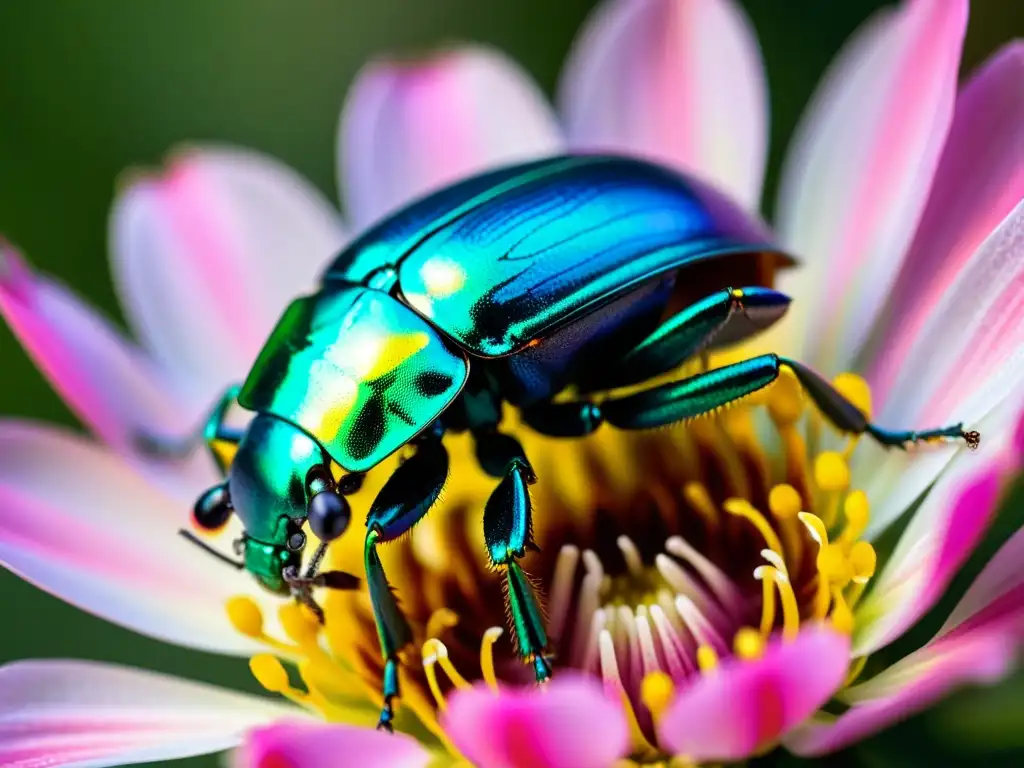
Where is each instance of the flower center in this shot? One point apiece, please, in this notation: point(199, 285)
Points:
point(662, 556)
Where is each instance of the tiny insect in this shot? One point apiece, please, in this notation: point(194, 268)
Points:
point(585, 272)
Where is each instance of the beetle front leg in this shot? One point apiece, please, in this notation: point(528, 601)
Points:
point(214, 433)
point(508, 532)
point(405, 498)
point(848, 418)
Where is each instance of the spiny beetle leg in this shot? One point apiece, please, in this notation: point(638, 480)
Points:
point(508, 533)
point(690, 397)
point(405, 498)
point(214, 431)
point(848, 418)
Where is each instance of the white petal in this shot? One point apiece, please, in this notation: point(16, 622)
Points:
point(87, 714)
point(409, 128)
point(679, 81)
point(79, 523)
point(208, 255)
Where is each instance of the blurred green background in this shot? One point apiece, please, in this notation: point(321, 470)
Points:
point(90, 88)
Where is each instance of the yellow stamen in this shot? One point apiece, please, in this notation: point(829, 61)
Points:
point(863, 561)
point(440, 620)
point(832, 476)
point(245, 616)
point(640, 746)
point(786, 398)
point(743, 508)
point(656, 692)
point(487, 657)
point(857, 511)
point(784, 501)
point(842, 616)
point(299, 624)
point(833, 563)
point(436, 652)
point(767, 603)
point(707, 659)
point(748, 644)
point(699, 498)
point(790, 608)
point(429, 662)
point(270, 673)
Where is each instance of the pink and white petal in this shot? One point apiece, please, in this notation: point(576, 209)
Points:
point(570, 724)
point(908, 687)
point(744, 706)
point(971, 351)
point(81, 713)
point(208, 254)
point(309, 745)
point(681, 82)
point(858, 174)
point(996, 598)
point(941, 536)
point(409, 128)
point(979, 181)
point(79, 523)
point(106, 380)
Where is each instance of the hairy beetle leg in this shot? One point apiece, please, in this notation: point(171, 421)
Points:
point(848, 418)
point(405, 498)
point(508, 524)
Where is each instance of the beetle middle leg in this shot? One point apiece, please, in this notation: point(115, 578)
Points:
point(405, 498)
point(508, 532)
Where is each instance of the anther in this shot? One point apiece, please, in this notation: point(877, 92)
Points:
point(863, 561)
point(857, 511)
point(842, 616)
point(245, 616)
point(299, 624)
point(487, 657)
point(831, 472)
point(270, 673)
point(707, 659)
point(784, 501)
point(656, 692)
point(748, 644)
point(785, 398)
point(856, 390)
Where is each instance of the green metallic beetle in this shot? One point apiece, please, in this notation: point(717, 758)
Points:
point(583, 273)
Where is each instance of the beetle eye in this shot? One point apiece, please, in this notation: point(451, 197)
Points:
point(329, 515)
point(213, 508)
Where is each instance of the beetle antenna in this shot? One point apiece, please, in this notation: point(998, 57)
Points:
point(210, 550)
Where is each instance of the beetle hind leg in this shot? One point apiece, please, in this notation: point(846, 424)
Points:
point(848, 418)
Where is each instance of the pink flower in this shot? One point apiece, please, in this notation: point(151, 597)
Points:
point(902, 195)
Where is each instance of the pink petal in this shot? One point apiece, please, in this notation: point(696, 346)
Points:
point(996, 598)
point(78, 523)
point(745, 706)
point(80, 713)
point(407, 129)
point(208, 254)
point(681, 82)
point(105, 379)
point(910, 686)
point(325, 746)
point(857, 178)
point(939, 539)
point(979, 181)
point(568, 724)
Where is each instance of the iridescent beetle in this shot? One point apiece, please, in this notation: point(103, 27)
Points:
point(585, 273)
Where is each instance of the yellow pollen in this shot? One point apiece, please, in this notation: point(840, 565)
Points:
point(707, 659)
point(831, 472)
point(743, 508)
point(863, 561)
point(656, 692)
point(270, 673)
point(785, 398)
point(856, 390)
point(784, 501)
point(487, 657)
point(748, 644)
point(245, 616)
point(834, 565)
